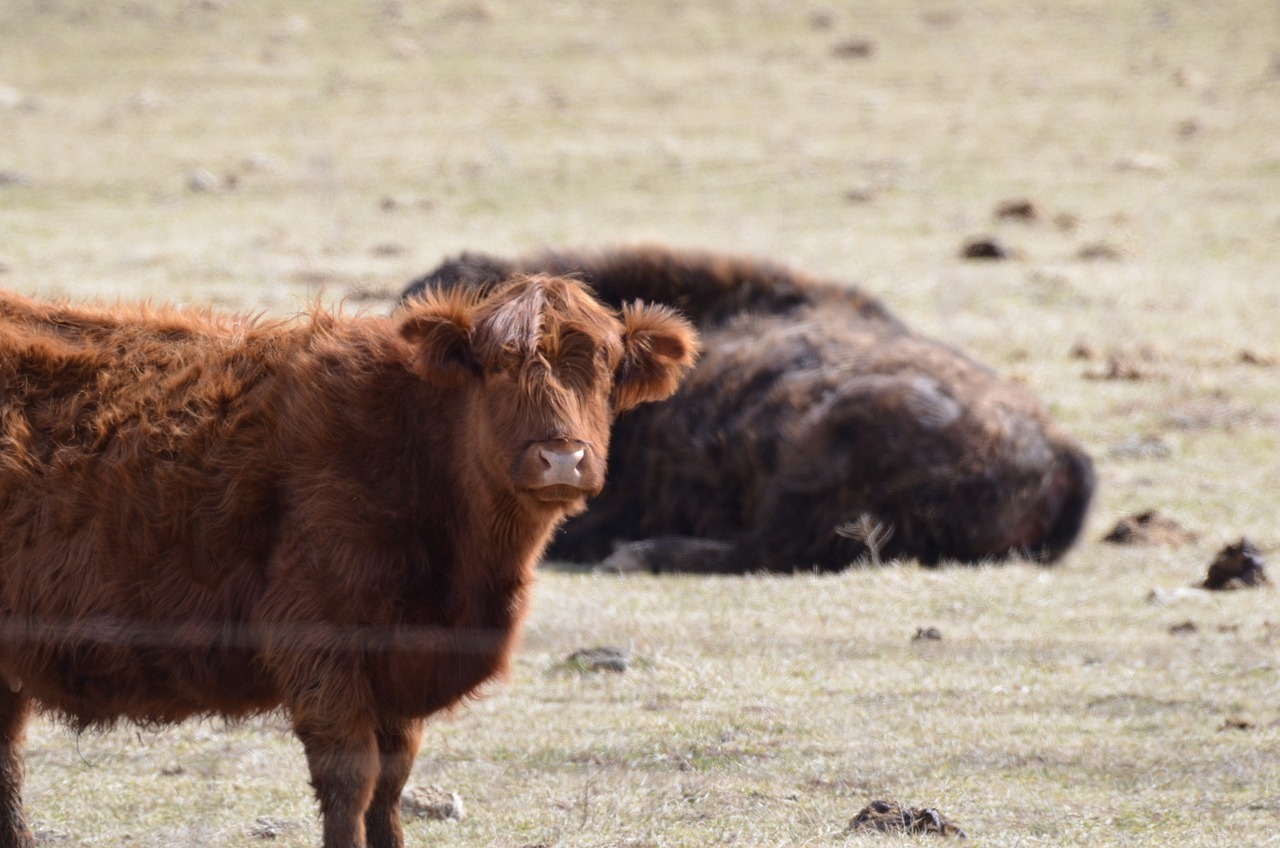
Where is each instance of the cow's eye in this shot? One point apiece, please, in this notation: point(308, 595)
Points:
point(573, 371)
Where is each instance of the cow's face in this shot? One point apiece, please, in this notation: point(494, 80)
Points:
point(546, 367)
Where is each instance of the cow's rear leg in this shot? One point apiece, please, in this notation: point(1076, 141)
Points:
point(344, 773)
point(14, 710)
point(397, 746)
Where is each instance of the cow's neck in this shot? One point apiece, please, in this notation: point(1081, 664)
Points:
point(468, 542)
point(486, 536)
point(510, 525)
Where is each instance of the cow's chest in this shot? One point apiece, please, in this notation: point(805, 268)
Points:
point(432, 663)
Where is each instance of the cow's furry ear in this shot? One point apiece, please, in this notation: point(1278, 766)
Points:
point(439, 331)
point(660, 348)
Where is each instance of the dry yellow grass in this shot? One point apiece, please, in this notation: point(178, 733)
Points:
point(251, 155)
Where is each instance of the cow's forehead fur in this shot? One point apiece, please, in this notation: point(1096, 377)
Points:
point(528, 316)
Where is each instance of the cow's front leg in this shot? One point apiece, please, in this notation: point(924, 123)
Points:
point(397, 746)
point(344, 773)
point(14, 709)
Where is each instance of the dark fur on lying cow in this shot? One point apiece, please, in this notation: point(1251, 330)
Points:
point(816, 431)
point(206, 515)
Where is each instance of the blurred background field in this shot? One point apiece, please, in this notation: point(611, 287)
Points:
point(254, 156)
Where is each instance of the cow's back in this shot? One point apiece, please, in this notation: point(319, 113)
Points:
point(117, 426)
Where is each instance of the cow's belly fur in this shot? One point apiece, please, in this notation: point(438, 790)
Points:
point(93, 682)
point(208, 655)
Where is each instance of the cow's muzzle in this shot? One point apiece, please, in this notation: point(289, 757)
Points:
point(560, 470)
point(561, 465)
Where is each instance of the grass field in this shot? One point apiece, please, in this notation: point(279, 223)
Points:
point(254, 155)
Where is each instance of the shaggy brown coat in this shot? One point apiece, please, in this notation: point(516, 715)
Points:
point(816, 431)
point(209, 515)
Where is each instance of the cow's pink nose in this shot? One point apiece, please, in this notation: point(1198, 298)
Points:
point(561, 466)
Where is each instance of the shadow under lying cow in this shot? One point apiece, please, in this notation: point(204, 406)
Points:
point(817, 431)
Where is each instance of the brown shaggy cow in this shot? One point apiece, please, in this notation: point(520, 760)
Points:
point(207, 515)
point(817, 430)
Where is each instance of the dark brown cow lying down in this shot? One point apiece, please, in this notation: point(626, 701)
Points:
point(814, 423)
point(207, 515)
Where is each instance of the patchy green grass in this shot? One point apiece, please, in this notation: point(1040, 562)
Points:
point(254, 155)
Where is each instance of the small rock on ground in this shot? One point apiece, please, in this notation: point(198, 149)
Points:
point(986, 248)
point(1124, 366)
point(604, 658)
point(1017, 209)
point(1248, 356)
point(266, 827)
point(855, 48)
point(1101, 251)
point(432, 802)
